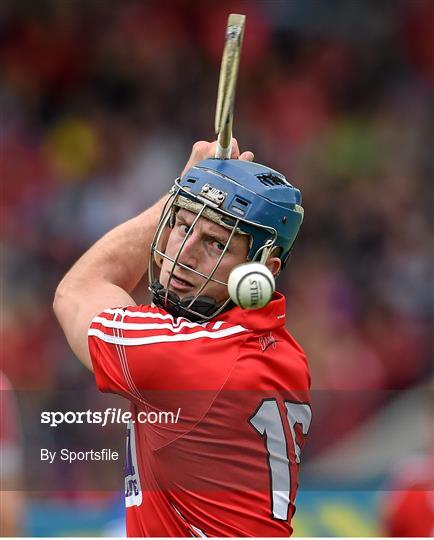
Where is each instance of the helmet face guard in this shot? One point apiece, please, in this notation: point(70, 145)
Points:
point(210, 192)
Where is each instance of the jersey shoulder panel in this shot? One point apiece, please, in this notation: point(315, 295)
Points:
point(144, 347)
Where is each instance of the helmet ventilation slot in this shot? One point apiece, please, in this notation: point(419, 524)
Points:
point(270, 179)
point(239, 206)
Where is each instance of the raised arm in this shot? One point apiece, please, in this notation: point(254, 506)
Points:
point(104, 277)
point(107, 273)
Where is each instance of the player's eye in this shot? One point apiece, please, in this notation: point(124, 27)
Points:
point(183, 228)
point(219, 245)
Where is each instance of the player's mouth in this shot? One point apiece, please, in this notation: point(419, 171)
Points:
point(179, 284)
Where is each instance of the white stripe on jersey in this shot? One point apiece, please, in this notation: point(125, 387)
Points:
point(165, 339)
point(199, 532)
point(146, 315)
point(195, 531)
point(107, 323)
point(217, 325)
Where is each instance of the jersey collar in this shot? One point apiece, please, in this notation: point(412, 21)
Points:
point(266, 318)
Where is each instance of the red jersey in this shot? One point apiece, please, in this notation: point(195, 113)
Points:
point(237, 387)
point(408, 508)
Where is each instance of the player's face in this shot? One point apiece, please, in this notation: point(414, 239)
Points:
point(201, 252)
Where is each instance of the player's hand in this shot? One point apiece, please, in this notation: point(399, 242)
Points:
point(206, 150)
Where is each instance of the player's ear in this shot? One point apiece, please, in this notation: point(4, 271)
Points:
point(274, 264)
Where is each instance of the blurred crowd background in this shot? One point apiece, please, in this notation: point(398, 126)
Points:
point(100, 103)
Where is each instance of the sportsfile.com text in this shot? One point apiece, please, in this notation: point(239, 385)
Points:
point(110, 416)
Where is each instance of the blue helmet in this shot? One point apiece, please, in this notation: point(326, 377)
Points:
point(253, 193)
point(242, 196)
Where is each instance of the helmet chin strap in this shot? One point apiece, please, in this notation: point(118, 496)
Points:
point(204, 306)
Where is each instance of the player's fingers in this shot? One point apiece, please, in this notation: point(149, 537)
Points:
point(201, 150)
point(205, 150)
point(247, 156)
point(235, 152)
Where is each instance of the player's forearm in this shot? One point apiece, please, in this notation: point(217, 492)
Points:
point(120, 257)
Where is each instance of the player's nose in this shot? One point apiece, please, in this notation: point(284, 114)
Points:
point(189, 255)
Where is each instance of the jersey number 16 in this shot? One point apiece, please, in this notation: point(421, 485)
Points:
point(268, 423)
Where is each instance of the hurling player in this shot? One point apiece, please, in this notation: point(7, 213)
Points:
point(229, 465)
